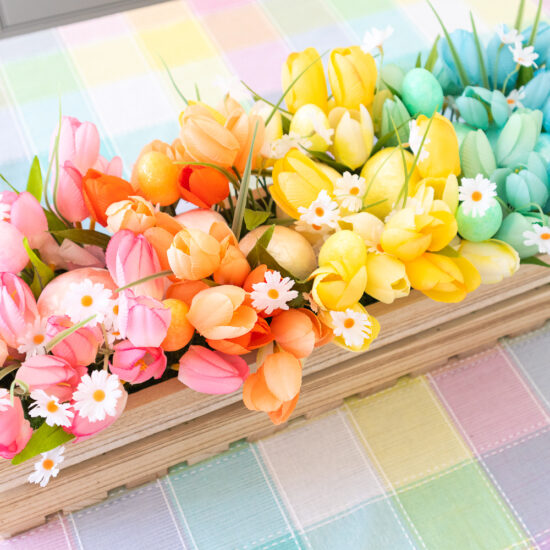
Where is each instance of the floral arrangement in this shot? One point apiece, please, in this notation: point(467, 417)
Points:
point(265, 232)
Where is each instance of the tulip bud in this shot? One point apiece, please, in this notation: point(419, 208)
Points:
point(476, 155)
point(15, 430)
point(135, 214)
point(518, 138)
point(511, 231)
point(137, 364)
point(312, 123)
point(395, 117)
point(494, 259)
point(386, 278)
point(524, 190)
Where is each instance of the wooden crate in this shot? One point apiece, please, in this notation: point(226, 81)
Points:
point(167, 424)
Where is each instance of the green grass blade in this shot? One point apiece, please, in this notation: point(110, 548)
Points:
point(535, 25)
point(418, 62)
point(170, 76)
point(456, 58)
point(257, 96)
point(9, 184)
point(432, 57)
point(479, 53)
point(519, 16)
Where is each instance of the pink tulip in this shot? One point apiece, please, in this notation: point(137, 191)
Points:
point(213, 372)
point(28, 216)
point(131, 257)
point(135, 365)
point(3, 353)
point(80, 348)
point(69, 201)
point(13, 256)
point(15, 431)
point(78, 143)
point(17, 308)
point(82, 428)
point(54, 375)
point(144, 321)
point(111, 168)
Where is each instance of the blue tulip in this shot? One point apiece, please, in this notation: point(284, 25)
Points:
point(524, 190)
point(448, 80)
point(473, 112)
point(542, 41)
point(546, 115)
point(506, 63)
point(543, 148)
point(537, 91)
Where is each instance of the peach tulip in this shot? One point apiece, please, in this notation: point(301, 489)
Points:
point(17, 308)
point(131, 257)
point(79, 348)
point(202, 219)
point(135, 213)
point(194, 254)
point(219, 313)
point(202, 185)
point(212, 372)
point(15, 431)
point(259, 336)
point(234, 267)
point(180, 330)
point(54, 375)
point(137, 364)
point(143, 320)
point(185, 290)
point(293, 330)
point(82, 428)
point(282, 414)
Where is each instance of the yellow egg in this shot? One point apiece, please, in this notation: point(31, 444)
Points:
point(157, 177)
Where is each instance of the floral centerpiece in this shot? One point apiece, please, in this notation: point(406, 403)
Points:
point(260, 234)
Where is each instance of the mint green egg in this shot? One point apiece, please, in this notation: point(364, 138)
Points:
point(421, 92)
point(479, 228)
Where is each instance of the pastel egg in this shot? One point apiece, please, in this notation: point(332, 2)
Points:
point(479, 228)
point(421, 92)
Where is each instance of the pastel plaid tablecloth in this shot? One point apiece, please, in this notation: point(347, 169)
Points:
point(458, 460)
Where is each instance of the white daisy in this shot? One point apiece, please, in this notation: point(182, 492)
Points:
point(233, 86)
point(97, 395)
point(5, 400)
point(476, 195)
point(539, 237)
point(375, 38)
point(322, 131)
point(514, 98)
point(524, 56)
point(5, 212)
point(415, 141)
point(112, 323)
point(274, 294)
point(33, 342)
point(49, 407)
point(353, 326)
point(47, 467)
point(280, 147)
point(349, 191)
point(322, 212)
point(85, 299)
point(511, 36)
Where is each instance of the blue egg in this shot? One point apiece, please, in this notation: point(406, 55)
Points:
point(421, 92)
point(479, 228)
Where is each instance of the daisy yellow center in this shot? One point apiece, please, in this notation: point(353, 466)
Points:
point(48, 464)
point(319, 211)
point(379, 248)
point(87, 300)
point(477, 196)
point(52, 406)
point(115, 309)
point(510, 101)
point(38, 339)
point(348, 323)
point(99, 396)
point(273, 293)
point(545, 236)
point(316, 227)
point(354, 191)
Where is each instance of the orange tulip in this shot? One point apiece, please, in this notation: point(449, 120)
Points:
point(323, 333)
point(293, 331)
point(282, 414)
point(165, 221)
point(100, 191)
point(204, 137)
point(194, 254)
point(203, 186)
point(218, 313)
point(160, 240)
point(180, 331)
point(259, 336)
point(185, 290)
point(234, 267)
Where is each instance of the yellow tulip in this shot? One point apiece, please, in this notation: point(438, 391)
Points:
point(385, 173)
point(374, 328)
point(297, 181)
point(407, 235)
point(311, 122)
point(345, 247)
point(366, 225)
point(352, 76)
point(334, 289)
point(494, 259)
point(440, 147)
point(353, 135)
point(311, 87)
point(442, 278)
point(386, 278)
point(445, 189)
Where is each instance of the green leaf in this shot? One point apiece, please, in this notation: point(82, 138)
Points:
point(257, 96)
point(9, 184)
point(35, 185)
point(533, 260)
point(388, 137)
point(197, 93)
point(328, 160)
point(83, 236)
point(432, 57)
point(60, 336)
point(527, 73)
point(418, 62)
point(43, 274)
point(54, 223)
point(449, 251)
point(254, 218)
point(243, 191)
point(479, 53)
point(263, 242)
point(9, 369)
point(42, 440)
point(456, 58)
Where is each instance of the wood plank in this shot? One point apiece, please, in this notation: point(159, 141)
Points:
point(90, 480)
